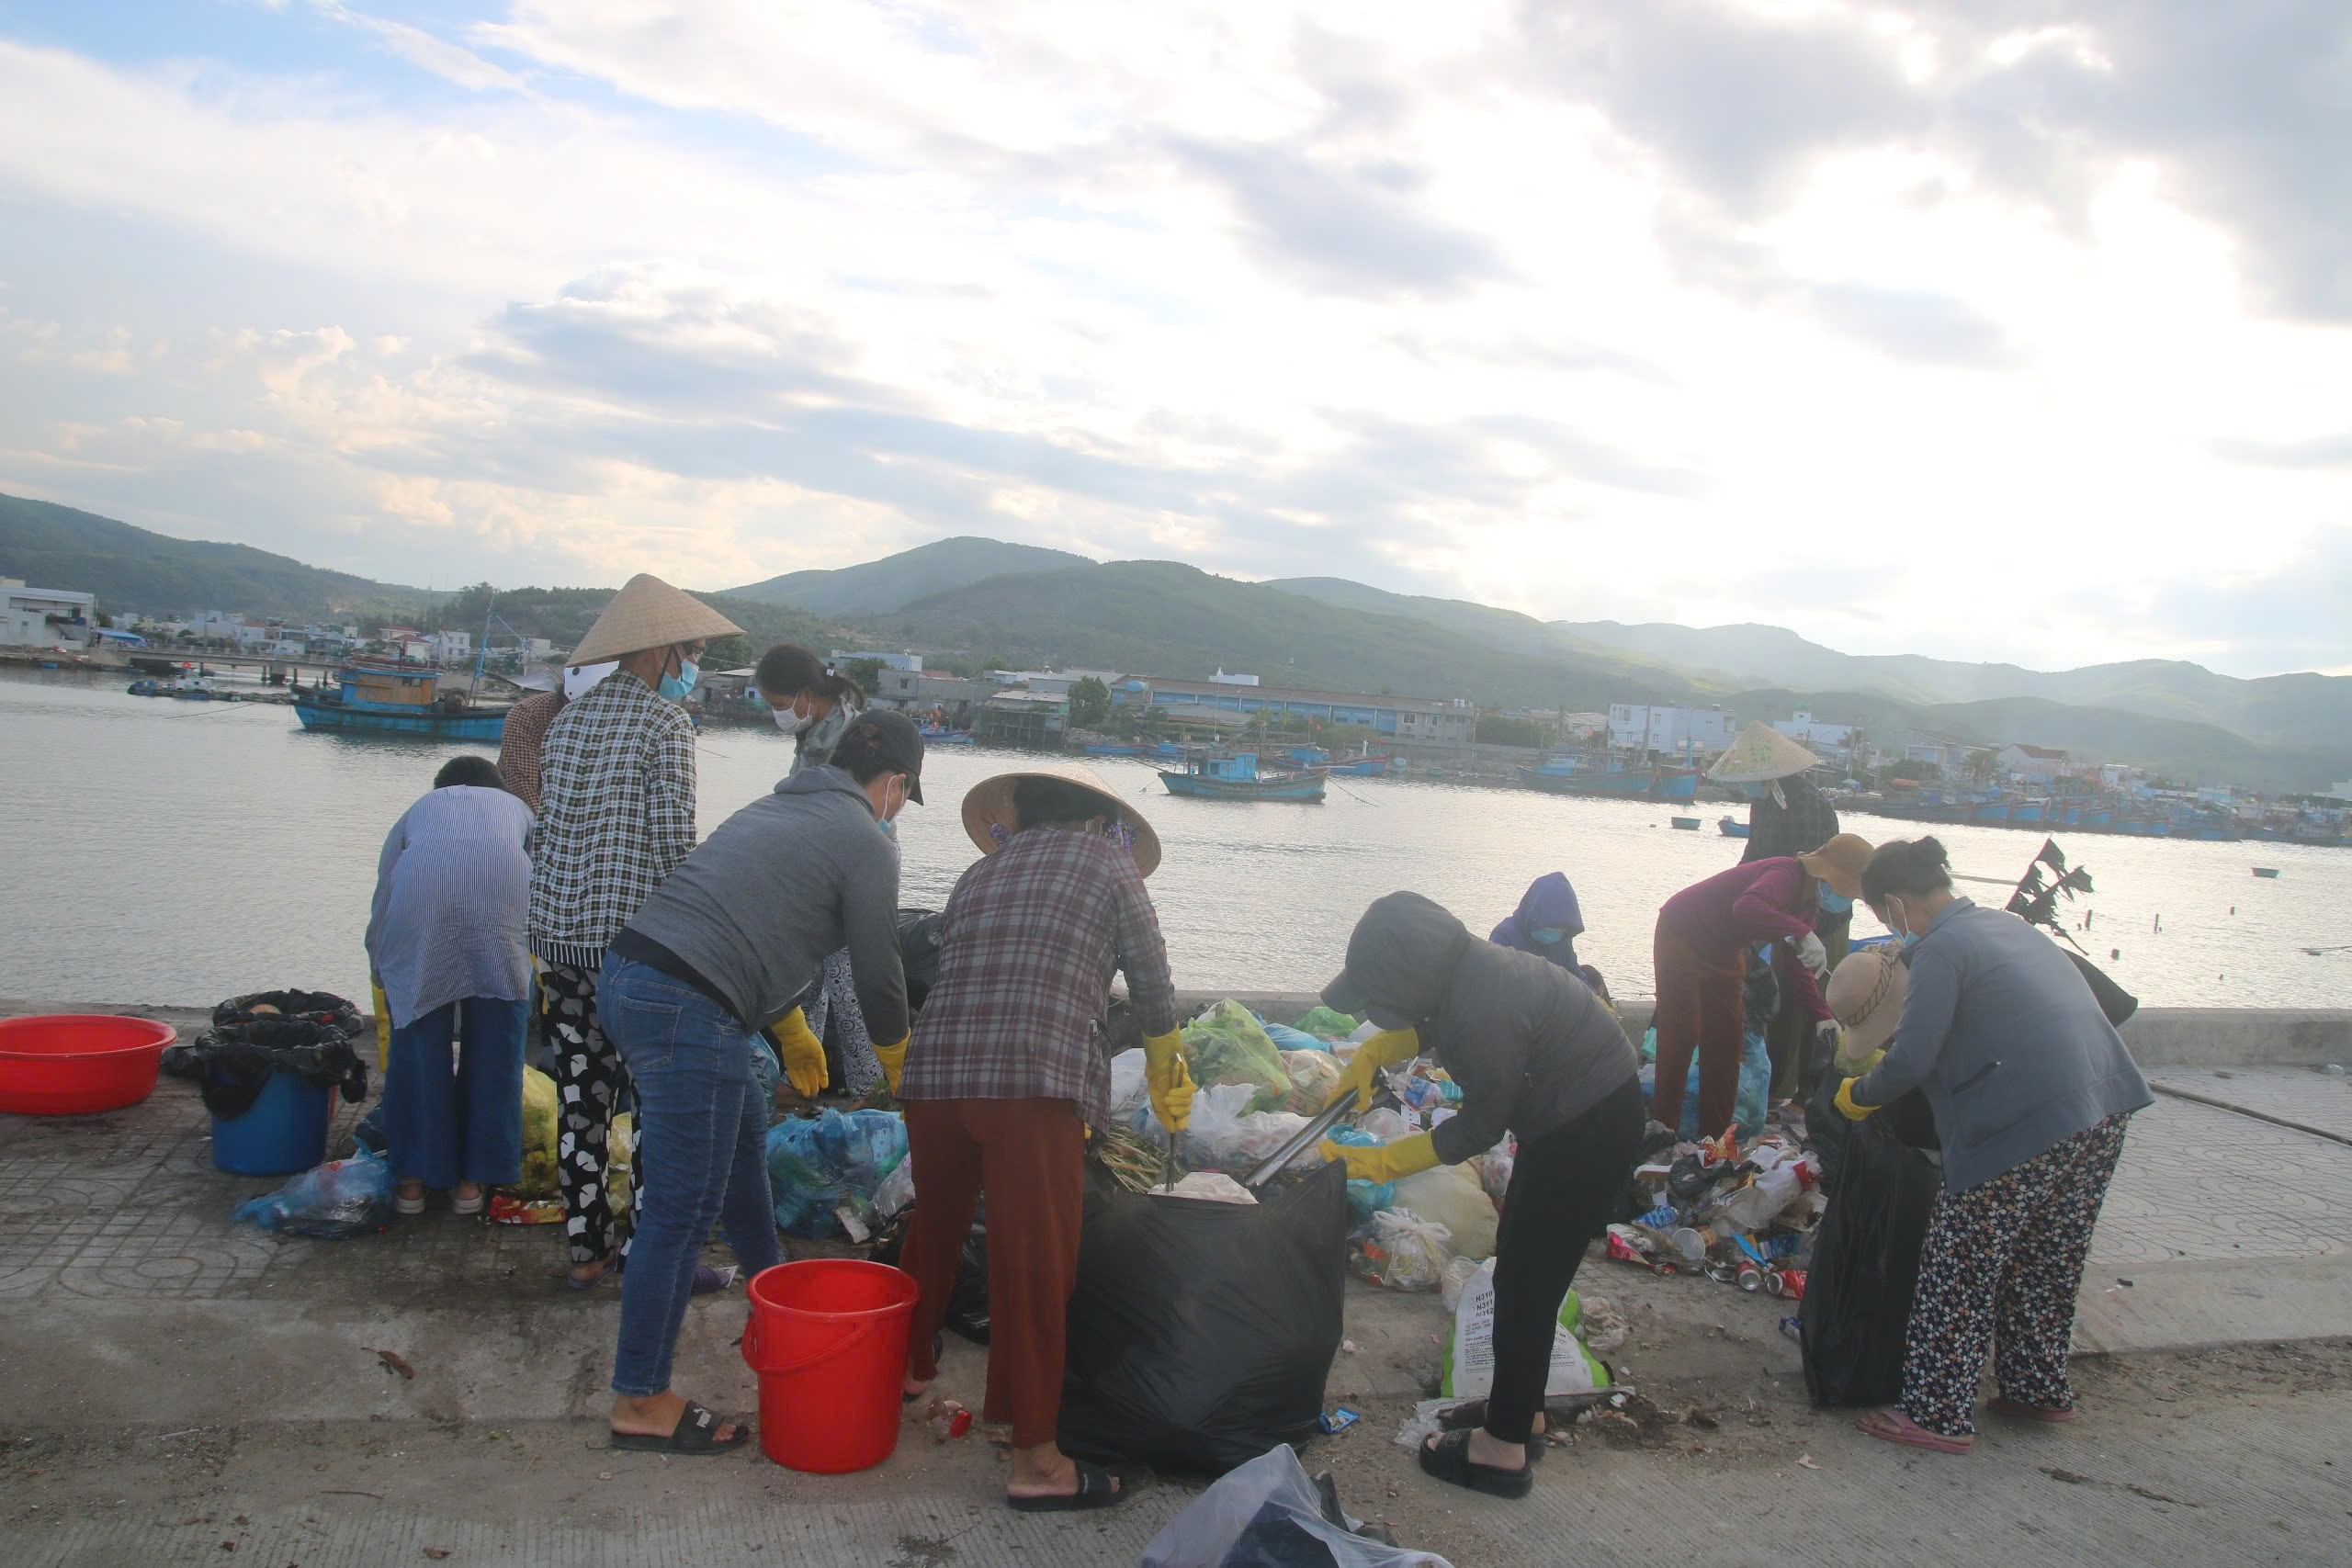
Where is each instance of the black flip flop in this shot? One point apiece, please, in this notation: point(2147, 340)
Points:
point(1472, 1416)
point(1448, 1458)
point(693, 1437)
point(1094, 1491)
point(938, 1348)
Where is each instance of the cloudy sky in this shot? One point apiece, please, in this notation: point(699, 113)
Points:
point(2013, 329)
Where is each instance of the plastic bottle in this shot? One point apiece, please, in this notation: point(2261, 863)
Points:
point(1756, 1205)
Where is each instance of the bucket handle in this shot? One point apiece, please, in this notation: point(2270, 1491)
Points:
point(754, 1348)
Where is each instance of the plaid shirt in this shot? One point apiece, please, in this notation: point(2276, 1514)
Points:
point(520, 741)
point(617, 814)
point(1031, 936)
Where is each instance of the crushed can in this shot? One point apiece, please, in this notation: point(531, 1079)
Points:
point(1787, 1283)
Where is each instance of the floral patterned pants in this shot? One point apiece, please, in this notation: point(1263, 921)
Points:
point(2002, 1264)
point(592, 1086)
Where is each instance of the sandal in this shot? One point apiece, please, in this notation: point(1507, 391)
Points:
point(693, 1437)
point(409, 1199)
point(1465, 1418)
point(1094, 1491)
point(1892, 1426)
point(461, 1205)
point(1447, 1457)
point(573, 1281)
point(2021, 1410)
point(709, 1279)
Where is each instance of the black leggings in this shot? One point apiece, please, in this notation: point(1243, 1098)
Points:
point(1565, 1189)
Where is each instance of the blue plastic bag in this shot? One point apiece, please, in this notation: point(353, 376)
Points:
point(1365, 1199)
point(341, 1198)
point(819, 1165)
point(1285, 1037)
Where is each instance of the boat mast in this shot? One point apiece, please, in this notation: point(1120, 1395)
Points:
point(481, 650)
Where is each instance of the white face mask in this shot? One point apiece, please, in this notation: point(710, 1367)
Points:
point(791, 720)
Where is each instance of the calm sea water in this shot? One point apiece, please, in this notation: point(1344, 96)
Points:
point(179, 853)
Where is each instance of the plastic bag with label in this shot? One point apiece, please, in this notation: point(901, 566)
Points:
point(1414, 1251)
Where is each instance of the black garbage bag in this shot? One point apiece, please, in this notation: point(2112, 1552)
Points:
point(968, 1299)
point(920, 936)
point(1865, 1263)
point(232, 1063)
point(2113, 1000)
point(1202, 1334)
point(319, 1007)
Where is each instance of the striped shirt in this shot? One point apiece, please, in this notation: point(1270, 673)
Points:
point(1032, 935)
point(452, 887)
point(617, 814)
point(520, 741)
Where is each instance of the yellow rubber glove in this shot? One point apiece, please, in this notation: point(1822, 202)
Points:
point(1404, 1157)
point(804, 1054)
point(1362, 1075)
point(894, 1061)
point(1845, 1105)
point(1168, 1079)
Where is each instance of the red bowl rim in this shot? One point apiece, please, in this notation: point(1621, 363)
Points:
point(171, 1034)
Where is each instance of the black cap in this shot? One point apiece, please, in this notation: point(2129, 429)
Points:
point(886, 736)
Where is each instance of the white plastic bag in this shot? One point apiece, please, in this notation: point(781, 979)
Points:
point(1222, 1134)
point(1127, 1086)
point(1209, 1186)
point(1451, 1195)
point(897, 1190)
point(1416, 1250)
point(1272, 1489)
point(1470, 1350)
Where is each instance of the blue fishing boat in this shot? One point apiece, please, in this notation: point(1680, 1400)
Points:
point(381, 699)
point(933, 734)
point(1570, 775)
point(1235, 776)
point(1114, 750)
point(1732, 826)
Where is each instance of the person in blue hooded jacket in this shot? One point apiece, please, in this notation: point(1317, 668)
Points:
point(1546, 923)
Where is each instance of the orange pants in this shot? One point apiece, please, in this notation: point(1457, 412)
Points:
point(1028, 1156)
point(1701, 1006)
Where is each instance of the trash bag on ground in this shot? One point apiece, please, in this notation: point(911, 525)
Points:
point(1747, 1109)
point(538, 1177)
point(232, 1063)
point(1225, 1045)
point(341, 1198)
point(1324, 1024)
point(1865, 1266)
point(1493, 1171)
point(1469, 1362)
point(1451, 1195)
point(922, 935)
point(1267, 1514)
point(322, 1007)
point(1200, 1335)
point(1287, 1039)
point(825, 1170)
point(1405, 1252)
point(1223, 1134)
point(1313, 1075)
point(968, 1298)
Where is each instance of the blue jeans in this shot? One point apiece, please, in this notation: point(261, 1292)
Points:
point(444, 1127)
point(702, 1134)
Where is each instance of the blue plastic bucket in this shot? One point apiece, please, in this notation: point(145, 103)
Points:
point(284, 1131)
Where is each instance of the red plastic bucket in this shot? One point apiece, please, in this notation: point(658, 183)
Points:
point(828, 1339)
point(76, 1064)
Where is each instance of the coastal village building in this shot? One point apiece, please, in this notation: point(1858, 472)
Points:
point(1448, 724)
point(906, 663)
point(47, 618)
point(2031, 764)
point(1947, 752)
point(1641, 727)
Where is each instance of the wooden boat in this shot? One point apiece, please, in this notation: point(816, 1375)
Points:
point(1236, 777)
point(1570, 777)
point(945, 737)
point(1372, 767)
point(2268, 873)
point(1732, 826)
point(1686, 824)
point(376, 699)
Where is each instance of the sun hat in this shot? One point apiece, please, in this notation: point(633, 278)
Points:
point(1866, 996)
point(888, 737)
point(649, 612)
point(989, 818)
point(1839, 863)
point(1760, 754)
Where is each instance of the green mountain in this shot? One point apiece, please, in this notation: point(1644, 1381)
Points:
point(132, 569)
point(1165, 618)
point(878, 587)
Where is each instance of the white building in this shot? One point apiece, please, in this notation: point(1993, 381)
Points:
point(1810, 732)
point(2031, 764)
point(47, 618)
point(1236, 679)
point(909, 662)
point(453, 648)
point(1638, 726)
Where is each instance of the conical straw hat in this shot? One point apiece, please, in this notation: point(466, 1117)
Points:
point(649, 612)
point(988, 806)
point(1760, 754)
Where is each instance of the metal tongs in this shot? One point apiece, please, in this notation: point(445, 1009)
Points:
point(1169, 1162)
point(1307, 1137)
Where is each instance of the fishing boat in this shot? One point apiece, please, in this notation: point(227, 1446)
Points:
point(936, 735)
point(1235, 776)
point(2268, 872)
point(194, 689)
point(395, 699)
point(1113, 750)
point(1686, 824)
point(1366, 767)
point(1732, 826)
point(1570, 775)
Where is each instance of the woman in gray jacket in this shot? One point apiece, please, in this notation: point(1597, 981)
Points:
point(2031, 1087)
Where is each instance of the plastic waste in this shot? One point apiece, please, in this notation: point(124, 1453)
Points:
point(1313, 1075)
point(825, 1170)
point(1458, 1273)
point(1762, 1200)
point(1469, 1362)
point(1225, 1045)
point(341, 1198)
point(1413, 1251)
point(1365, 1199)
point(1748, 1106)
point(1287, 1039)
point(1128, 1089)
point(1326, 1024)
point(1449, 1194)
point(1200, 1335)
point(897, 1194)
point(538, 1177)
point(1495, 1169)
point(1209, 1186)
point(1383, 1125)
point(1267, 1514)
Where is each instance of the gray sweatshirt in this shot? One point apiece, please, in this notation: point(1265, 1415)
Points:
point(1529, 1042)
point(2002, 1033)
point(796, 875)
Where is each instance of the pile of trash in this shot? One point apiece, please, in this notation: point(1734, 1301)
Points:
point(1740, 1216)
point(827, 1173)
point(308, 1035)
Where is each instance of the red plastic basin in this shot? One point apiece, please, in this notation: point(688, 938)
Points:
point(72, 1064)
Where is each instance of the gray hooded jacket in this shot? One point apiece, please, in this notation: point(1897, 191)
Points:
point(1529, 1042)
point(796, 875)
